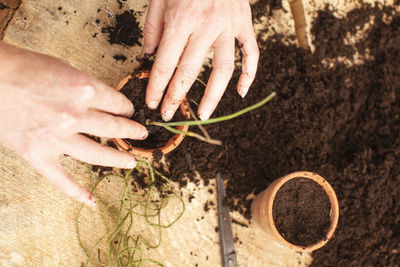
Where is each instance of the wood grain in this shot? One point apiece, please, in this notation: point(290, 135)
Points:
point(5, 15)
point(13, 4)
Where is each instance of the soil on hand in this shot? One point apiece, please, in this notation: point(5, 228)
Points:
point(340, 121)
point(135, 90)
point(301, 212)
point(126, 30)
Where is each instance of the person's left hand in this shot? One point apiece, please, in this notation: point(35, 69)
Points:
point(183, 31)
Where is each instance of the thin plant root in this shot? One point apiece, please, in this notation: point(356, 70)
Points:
point(119, 246)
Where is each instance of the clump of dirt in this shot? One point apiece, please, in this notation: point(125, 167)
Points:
point(119, 57)
point(126, 30)
point(301, 212)
point(340, 121)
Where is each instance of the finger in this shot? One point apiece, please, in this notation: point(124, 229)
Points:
point(153, 27)
point(223, 66)
point(110, 100)
point(106, 125)
point(168, 53)
point(185, 75)
point(87, 150)
point(250, 55)
point(53, 171)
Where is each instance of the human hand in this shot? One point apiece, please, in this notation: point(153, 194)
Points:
point(46, 104)
point(183, 31)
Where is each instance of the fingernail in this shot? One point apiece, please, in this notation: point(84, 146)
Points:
point(146, 133)
point(132, 111)
point(91, 201)
point(152, 104)
point(131, 164)
point(243, 92)
point(167, 115)
point(205, 115)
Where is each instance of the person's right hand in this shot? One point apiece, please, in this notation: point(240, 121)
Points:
point(45, 106)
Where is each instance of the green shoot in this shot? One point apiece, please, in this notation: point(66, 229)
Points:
point(169, 125)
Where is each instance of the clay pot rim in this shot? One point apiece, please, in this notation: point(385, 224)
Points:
point(334, 216)
point(171, 144)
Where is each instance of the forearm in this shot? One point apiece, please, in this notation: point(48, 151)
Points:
point(11, 58)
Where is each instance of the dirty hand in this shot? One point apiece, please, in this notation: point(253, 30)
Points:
point(46, 104)
point(182, 31)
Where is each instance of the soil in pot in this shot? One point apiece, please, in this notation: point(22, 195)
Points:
point(135, 90)
point(301, 212)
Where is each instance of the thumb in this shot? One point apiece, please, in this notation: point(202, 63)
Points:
point(153, 27)
point(54, 172)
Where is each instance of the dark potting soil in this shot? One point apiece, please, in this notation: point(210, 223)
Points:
point(126, 30)
point(120, 57)
point(342, 122)
point(301, 212)
point(135, 90)
point(265, 7)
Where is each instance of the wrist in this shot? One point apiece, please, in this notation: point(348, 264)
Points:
point(9, 59)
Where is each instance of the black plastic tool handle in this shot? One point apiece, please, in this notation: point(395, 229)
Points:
point(225, 226)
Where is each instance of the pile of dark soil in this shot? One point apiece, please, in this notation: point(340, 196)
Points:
point(342, 122)
point(265, 7)
point(301, 212)
point(135, 90)
point(126, 30)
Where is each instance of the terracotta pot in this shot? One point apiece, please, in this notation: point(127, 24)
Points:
point(171, 143)
point(262, 205)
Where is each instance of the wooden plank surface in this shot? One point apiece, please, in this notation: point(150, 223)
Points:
point(7, 10)
point(5, 15)
point(13, 4)
point(37, 223)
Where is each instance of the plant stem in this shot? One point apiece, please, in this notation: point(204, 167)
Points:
point(214, 120)
point(200, 81)
point(203, 130)
point(191, 134)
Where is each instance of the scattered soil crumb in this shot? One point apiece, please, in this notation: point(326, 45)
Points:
point(191, 197)
point(120, 57)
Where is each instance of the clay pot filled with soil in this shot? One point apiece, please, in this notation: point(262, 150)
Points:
point(299, 211)
point(160, 141)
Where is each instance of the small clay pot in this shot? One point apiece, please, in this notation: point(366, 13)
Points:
point(262, 205)
point(171, 143)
